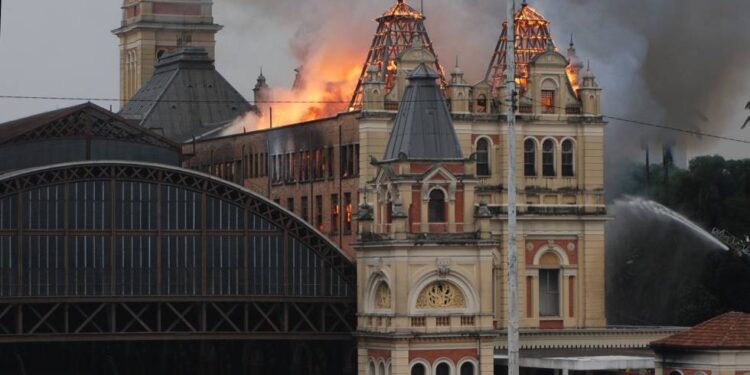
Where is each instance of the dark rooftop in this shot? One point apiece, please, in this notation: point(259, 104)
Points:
point(186, 97)
point(67, 122)
point(423, 129)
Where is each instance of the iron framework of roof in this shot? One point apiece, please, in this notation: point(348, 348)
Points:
point(397, 29)
point(313, 303)
point(532, 38)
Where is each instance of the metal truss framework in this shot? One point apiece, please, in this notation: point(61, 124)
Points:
point(397, 29)
point(86, 121)
point(286, 313)
point(196, 319)
point(532, 37)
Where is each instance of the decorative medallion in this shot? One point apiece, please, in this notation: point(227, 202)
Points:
point(383, 296)
point(571, 247)
point(441, 295)
point(529, 246)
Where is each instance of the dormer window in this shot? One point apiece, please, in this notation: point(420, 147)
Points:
point(482, 104)
point(548, 101)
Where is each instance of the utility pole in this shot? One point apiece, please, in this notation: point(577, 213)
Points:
point(510, 72)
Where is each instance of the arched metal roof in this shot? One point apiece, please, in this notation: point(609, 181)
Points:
point(127, 250)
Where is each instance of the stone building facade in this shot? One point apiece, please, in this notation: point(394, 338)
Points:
point(417, 194)
point(151, 28)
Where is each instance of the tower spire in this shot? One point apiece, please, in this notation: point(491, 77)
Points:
point(532, 36)
point(398, 29)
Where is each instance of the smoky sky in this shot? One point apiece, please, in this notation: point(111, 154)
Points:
point(684, 63)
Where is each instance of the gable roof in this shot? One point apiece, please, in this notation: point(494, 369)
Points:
point(424, 128)
point(186, 97)
point(83, 120)
point(730, 331)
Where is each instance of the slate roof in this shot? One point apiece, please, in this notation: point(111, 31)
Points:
point(186, 97)
point(424, 127)
point(730, 331)
point(71, 122)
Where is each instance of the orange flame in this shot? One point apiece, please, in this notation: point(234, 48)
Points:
point(328, 82)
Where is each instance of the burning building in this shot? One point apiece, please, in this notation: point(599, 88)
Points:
point(422, 158)
point(401, 27)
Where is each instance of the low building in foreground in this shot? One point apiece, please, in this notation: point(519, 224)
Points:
point(720, 346)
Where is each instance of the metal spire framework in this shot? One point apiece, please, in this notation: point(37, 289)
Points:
point(397, 29)
point(532, 37)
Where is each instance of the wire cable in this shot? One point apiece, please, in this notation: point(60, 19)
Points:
point(312, 102)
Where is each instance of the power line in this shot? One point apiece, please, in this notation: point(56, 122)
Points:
point(652, 125)
point(220, 101)
point(664, 127)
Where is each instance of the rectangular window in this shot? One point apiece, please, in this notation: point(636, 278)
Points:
point(349, 160)
point(344, 160)
point(329, 163)
point(348, 212)
point(335, 213)
point(319, 212)
point(549, 293)
point(548, 101)
point(290, 204)
point(303, 209)
point(356, 159)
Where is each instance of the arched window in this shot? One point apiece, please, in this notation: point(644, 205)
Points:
point(371, 369)
point(549, 285)
point(467, 369)
point(382, 369)
point(548, 101)
point(529, 158)
point(549, 91)
point(441, 295)
point(483, 157)
point(548, 158)
point(436, 207)
point(567, 158)
point(443, 369)
point(418, 369)
point(481, 104)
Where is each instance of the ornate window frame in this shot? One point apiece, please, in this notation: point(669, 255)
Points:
point(471, 296)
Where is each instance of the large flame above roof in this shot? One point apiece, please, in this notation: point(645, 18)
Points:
point(532, 37)
point(397, 29)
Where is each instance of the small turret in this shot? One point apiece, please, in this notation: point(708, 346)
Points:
point(590, 94)
point(575, 66)
point(373, 90)
point(261, 92)
point(458, 91)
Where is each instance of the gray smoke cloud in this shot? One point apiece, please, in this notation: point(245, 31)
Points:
point(682, 63)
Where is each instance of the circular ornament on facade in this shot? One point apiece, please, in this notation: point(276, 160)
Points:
point(571, 247)
point(529, 246)
point(441, 295)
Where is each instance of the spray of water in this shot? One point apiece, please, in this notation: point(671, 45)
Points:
point(662, 268)
point(661, 211)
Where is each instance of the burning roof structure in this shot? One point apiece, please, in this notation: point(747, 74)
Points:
point(397, 29)
point(532, 38)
